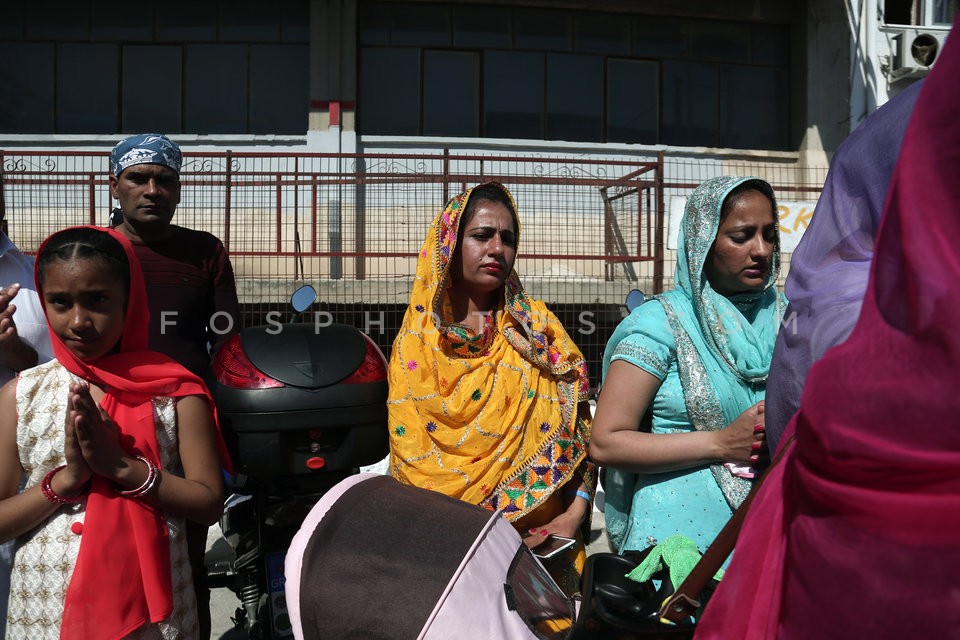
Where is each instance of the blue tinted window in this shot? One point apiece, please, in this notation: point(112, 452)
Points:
point(249, 21)
point(943, 12)
point(637, 79)
point(770, 46)
point(215, 88)
point(513, 94)
point(451, 100)
point(26, 104)
point(151, 89)
point(719, 41)
point(186, 21)
point(421, 26)
point(278, 88)
point(602, 33)
point(753, 107)
point(390, 91)
point(87, 88)
point(632, 101)
point(482, 27)
point(542, 30)
point(374, 22)
point(295, 21)
point(60, 20)
point(118, 21)
point(11, 22)
point(690, 104)
point(655, 37)
point(574, 97)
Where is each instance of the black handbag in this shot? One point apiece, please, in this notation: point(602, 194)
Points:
point(615, 607)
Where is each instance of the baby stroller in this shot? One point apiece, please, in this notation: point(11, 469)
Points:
point(377, 559)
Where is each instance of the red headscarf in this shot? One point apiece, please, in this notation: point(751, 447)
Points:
point(122, 578)
point(856, 534)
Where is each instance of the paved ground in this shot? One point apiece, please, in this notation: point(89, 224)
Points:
point(223, 603)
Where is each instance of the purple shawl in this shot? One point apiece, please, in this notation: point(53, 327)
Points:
point(829, 269)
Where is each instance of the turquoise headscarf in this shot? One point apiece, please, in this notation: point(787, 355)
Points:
point(739, 331)
point(726, 340)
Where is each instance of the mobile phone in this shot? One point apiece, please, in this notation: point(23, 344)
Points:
point(552, 546)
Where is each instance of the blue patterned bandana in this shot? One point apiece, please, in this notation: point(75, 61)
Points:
point(146, 148)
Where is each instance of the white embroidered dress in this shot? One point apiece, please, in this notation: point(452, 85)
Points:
point(45, 557)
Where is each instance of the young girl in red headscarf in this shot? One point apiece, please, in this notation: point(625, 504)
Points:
point(119, 446)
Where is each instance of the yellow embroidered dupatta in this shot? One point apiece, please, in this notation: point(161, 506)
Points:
point(490, 419)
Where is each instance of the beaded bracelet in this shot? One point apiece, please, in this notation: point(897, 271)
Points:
point(153, 474)
point(46, 487)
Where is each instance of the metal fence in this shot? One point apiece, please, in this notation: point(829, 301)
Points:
point(352, 224)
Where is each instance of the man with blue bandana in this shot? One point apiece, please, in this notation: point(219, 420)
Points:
point(190, 284)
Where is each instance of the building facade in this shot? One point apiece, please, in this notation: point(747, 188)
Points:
point(744, 74)
point(322, 135)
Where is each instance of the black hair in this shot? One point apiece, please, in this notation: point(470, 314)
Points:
point(754, 184)
point(85, 242)
point(491, 192)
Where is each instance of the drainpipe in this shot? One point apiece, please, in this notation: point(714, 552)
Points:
point(871, 87)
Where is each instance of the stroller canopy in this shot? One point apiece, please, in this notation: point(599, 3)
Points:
point(379, 559)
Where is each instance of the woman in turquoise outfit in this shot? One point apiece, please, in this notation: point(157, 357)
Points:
point(679, 422)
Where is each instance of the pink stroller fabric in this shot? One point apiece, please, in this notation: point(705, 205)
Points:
point(377, 559)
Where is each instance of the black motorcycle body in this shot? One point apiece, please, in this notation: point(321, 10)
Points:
point(302, 406)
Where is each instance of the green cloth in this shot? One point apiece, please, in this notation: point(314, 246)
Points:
point(678, 552)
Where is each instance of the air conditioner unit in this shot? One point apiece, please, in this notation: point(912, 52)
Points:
point(913, 51)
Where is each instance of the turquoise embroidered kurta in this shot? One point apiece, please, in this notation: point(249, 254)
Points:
point(712, 354)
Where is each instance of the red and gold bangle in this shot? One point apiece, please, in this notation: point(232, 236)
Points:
point(153, 474)
point(46, 487)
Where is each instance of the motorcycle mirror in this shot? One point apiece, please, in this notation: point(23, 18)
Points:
point(634, 299)
point(303, 297)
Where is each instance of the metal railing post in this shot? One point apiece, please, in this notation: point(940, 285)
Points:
point(228, 177)
point(658, 249)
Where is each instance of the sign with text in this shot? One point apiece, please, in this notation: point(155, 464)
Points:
point(795, 217)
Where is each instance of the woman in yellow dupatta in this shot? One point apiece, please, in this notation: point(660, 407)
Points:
point(487, 391)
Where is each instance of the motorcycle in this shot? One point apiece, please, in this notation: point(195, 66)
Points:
point(302, 406)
